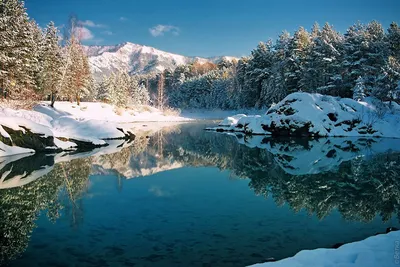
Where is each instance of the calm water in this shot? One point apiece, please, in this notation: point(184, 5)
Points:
point(186, 197)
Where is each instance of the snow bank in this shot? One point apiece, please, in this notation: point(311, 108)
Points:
point(105, 112)
point(380, 250)
point(88, 131)
point(22, 124)
point(36, 117)
point(68, 125)
point(48, 129)
point(303, 114)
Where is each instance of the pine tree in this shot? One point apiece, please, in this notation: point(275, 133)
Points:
point(388, 83)
point(52, 63)
point(16, 44)
point(327, 57)
point(298, 52)
point(308, 81)
point(359, 90)
point(393, 39)
point(38, 52)
point(366, 51)
point(376, 54)
point(258, 70)
point(103, 90)
point(138, 93)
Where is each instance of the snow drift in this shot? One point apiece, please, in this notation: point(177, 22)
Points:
point(303, 114)
point(23, 131)
point(374, 251)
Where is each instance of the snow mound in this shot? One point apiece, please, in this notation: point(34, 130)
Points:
point(88, 130)
point(232, 120)
point(303, 114)
point(36, 117)
point(374, 251)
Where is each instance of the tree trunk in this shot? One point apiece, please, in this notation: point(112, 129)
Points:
point(2, 90)
point(53, 99)
point(78, 99)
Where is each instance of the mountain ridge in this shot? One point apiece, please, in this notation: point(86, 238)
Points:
point(138, 59)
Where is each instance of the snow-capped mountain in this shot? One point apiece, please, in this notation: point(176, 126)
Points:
point(137, 59)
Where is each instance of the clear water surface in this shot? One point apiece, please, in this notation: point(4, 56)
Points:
point(186, 197)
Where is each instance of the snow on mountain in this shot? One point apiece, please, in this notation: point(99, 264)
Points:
point(136, 58)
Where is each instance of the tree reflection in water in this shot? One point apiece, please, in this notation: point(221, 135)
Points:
point(358, 177)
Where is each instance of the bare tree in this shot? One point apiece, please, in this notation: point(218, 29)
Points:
point(160, 91)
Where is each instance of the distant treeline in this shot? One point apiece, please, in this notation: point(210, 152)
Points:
point(362, 62)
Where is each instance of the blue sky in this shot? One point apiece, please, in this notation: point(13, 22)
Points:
point(206, 27)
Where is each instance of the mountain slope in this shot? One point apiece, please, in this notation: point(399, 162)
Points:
point(137, 59)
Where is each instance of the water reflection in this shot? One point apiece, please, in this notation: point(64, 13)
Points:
point(357, 177)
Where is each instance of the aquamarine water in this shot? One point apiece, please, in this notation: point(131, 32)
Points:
point(186, 197)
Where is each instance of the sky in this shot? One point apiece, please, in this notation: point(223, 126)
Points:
point(206, 27)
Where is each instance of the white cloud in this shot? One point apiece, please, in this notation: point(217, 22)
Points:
point(160, 30)
point(91, 24)
point(107, 32)
point(123, 19)
point(83, 33)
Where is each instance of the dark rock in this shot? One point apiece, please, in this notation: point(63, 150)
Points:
point(391, 229)
point(35, 141)
point(337, 245)
point(285, 130)
point(331, 154)
point(332, 116)
point(84, 145)
point(128, 135)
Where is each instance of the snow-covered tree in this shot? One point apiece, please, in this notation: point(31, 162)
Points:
point(258, 69)
point(17, 62)
point(325, 59)
point(387, 86)
point(120, 89)
point(393, 38)
point(299, 48)
point(359, 90)
point(103, 90)
point(139, 95)
point(366, 51)
point(52, 63)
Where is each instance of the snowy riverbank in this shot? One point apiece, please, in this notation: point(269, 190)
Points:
point(69, 126)
point(303, 114)
point(89, 125)
point(380, 250)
